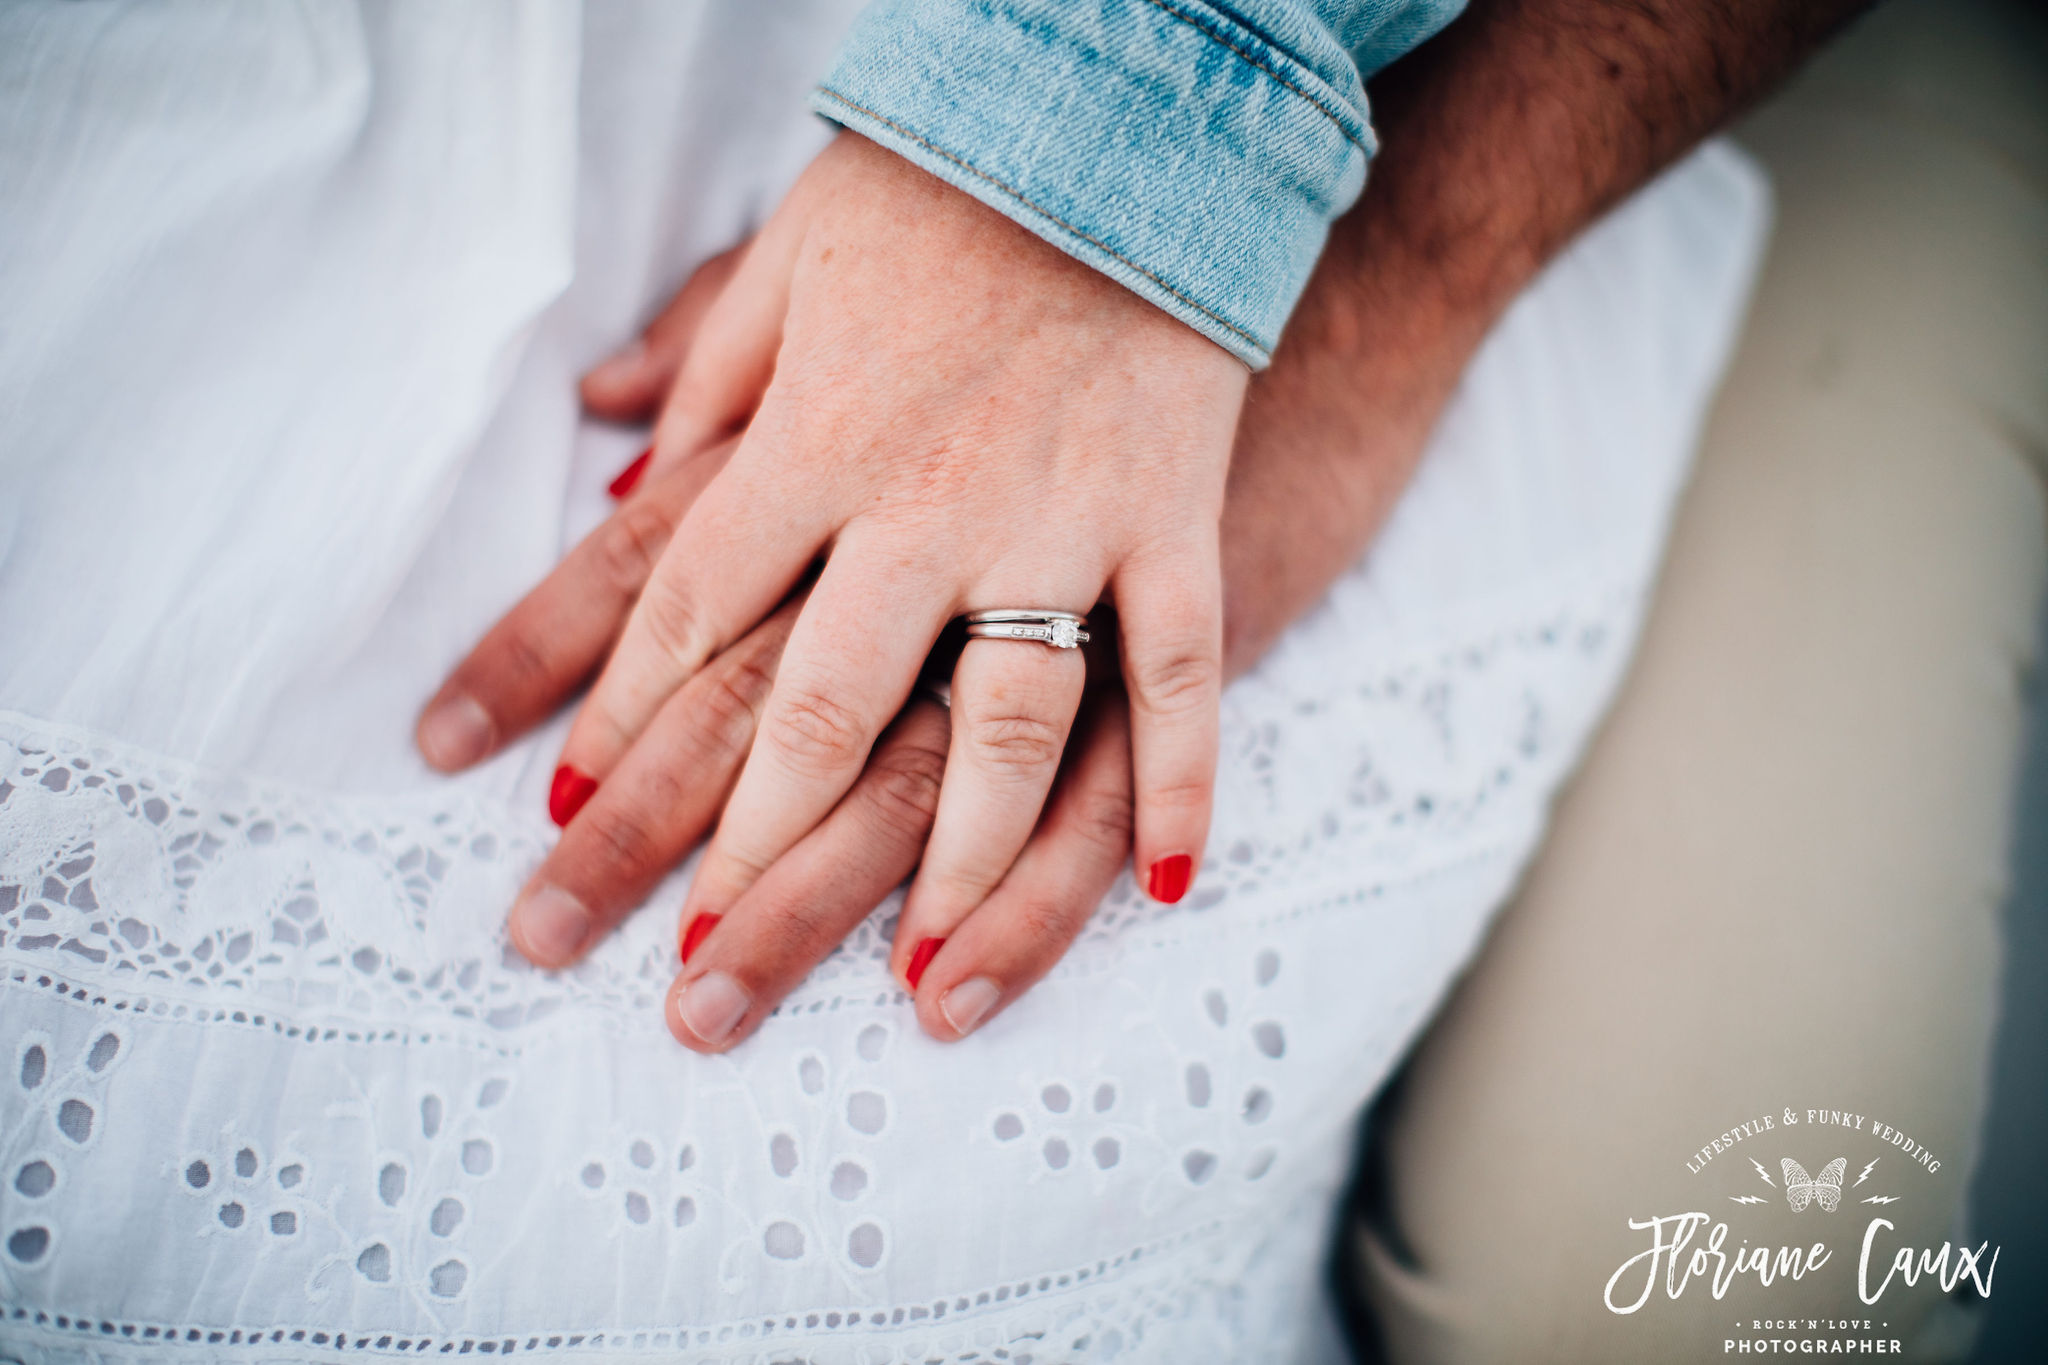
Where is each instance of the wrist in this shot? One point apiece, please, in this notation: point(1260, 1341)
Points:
point(1333, 430)
point(1413, 278)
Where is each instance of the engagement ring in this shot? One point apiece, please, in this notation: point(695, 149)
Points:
point(1060, 629)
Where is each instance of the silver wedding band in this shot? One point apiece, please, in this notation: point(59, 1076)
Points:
point(1059, 629)
point(1055, 629)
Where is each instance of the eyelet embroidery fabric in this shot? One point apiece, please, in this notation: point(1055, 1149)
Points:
point(273, 1088)
point(272, 1045)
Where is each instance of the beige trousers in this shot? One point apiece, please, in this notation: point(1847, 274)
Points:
point(1773, 890)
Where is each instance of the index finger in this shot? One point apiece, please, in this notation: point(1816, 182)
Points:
point(554, 639)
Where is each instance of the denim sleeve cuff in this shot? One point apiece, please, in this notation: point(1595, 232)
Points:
point(1161, 141)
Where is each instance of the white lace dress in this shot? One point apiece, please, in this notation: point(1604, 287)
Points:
point(291, 303)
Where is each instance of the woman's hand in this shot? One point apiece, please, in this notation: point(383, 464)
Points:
point(956, 416)
point(1329, 436)
point(665, 796)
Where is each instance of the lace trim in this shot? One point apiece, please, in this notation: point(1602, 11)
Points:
point(214, 894)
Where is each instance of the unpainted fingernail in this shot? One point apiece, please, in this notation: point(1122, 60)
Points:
point(712, 1006)
point(699, 930)
point(927, 949)
point(629, 477)
point(455, 732)
point(567, 793)
point(550, 925)
point(967, 1002)
point(1169, 878)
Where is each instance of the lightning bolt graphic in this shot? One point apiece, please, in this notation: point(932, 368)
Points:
point(1866, 1172)
point(1747, 1198)
point(1882, 1199)
point(1762, 1172)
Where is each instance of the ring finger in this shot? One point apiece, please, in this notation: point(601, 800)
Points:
point(1027, 923)
point(1013, 706)
point(739, 964)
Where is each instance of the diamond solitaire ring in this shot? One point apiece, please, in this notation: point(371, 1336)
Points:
point(1060, 629)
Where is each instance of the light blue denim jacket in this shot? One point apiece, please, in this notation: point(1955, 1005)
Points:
point(1194, 150)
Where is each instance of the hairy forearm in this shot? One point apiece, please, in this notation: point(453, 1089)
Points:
point(1500, 140)
point(1525, 121)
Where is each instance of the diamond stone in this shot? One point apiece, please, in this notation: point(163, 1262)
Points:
point(1066, 635)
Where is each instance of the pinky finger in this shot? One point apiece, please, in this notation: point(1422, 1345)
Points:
point(1170, 618)
point(1017, 934)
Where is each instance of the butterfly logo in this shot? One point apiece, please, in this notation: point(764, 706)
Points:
point(1825, 1188)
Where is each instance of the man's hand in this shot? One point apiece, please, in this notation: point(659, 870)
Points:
point(1502, 139)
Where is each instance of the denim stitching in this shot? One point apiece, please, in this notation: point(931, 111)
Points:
point(1223, 41)
point(1104, 247)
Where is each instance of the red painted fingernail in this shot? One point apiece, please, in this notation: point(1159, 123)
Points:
point(629, 477)
point(567, 793)
point(1168, 880)
point(927, 949)
point(699, 930)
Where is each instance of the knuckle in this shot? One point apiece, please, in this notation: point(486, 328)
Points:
point(774, 933)
point(732, 866)
point(1104, 818)
point(528, 658)
point(1175, 681)
point(787, 941)
point(671, 623)
point(623, 840)
point(1048, 921)
point(1179, 793)
point(902, 790)
point(744, 864)
point(1014, 742)
point(958, 890)
point(730, 704)
point(815, 731)
point(630, 545)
